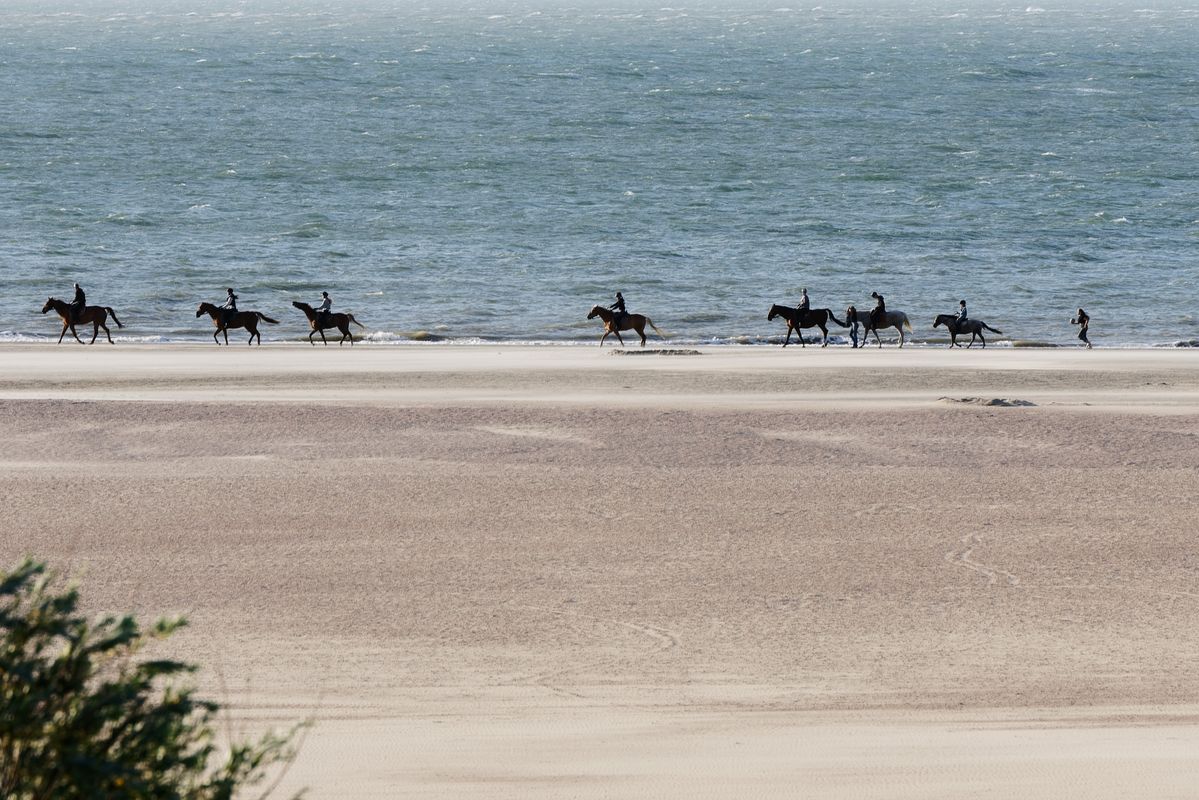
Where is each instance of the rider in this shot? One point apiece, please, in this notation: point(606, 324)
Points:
point(324, 309)
point(618, 307)
point(802, 308)
point(78, 304)
point(961, 313)
point(851, 319)
point(229, 307)
point(876, 313)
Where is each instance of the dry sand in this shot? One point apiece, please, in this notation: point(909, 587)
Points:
point(505, 572)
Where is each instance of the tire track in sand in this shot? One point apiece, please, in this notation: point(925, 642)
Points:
point(964, 557)
point(662, 640)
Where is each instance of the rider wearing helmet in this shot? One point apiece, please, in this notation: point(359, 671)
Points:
point(229, 307)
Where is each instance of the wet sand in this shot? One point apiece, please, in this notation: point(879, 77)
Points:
point(546, 572)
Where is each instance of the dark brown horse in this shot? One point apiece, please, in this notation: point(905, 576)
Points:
point(971, 326)
point(95, 316)
point(318, 323)
point(242, 319)
point(815, 318)
point(628, 322)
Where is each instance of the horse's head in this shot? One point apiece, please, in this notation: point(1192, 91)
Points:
point(49, 304)
point(202, 309)
point(774, 310)
point(937, 322)
point(302, 306)
point(595, 310)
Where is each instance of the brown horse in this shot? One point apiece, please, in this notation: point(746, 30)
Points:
point(972, 326)
point(633, 322)
point(242, 319)
point(96, 316)
point(318, 325)
point(815, 318)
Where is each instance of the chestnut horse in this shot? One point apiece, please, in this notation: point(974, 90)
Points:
point(242, 319)
point(972, 326)
point(96, 316)
point(815, 318)
point(634, 322)
point(339, 321)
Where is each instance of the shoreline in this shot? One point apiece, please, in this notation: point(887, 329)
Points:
point(729, 377)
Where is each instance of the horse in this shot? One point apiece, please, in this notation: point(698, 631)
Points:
point(95, 315)
point(242, 319)
point(318, 324)
point(974, 327)
point(815, 318)
point(635, 322)
point(890, 319)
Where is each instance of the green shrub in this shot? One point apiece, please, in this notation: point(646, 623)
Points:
point(82, 717)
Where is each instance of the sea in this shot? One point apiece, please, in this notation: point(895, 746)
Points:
point(473, 171)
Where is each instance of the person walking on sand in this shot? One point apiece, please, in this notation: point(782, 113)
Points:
point(851, 319)
point(78, 304)
point(1083, 321)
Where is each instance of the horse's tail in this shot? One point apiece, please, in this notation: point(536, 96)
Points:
point(833, 317)
point(265, 318)
point(907, 322)
point(650, 323)
point(356, 322)
point(113, 314)
point(992, 330)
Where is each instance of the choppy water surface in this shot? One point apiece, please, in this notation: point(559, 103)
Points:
point(490, 172)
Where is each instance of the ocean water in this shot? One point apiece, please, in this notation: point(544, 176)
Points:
point(488, 171)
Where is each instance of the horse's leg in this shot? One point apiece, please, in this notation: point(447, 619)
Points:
point(788, 339)
point(64, 333)
point(605, 336)
point(321, 331)
point(899, 328)
point(95, 332)
point(106, 333)
point(824, 330)
point(619, 338)
point(345, 331)
point(310, 335)
point(253, 329)
point(641, 333)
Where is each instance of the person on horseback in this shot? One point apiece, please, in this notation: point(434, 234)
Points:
point(802, 308)
point(324, 310)
point(78, 304)
point(961, 313)
point(851, 319)
point(876, 313)
point(229, 307)
point(619, 308)
point(1083, 321)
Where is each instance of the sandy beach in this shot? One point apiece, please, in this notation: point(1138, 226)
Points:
point(523, 572)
